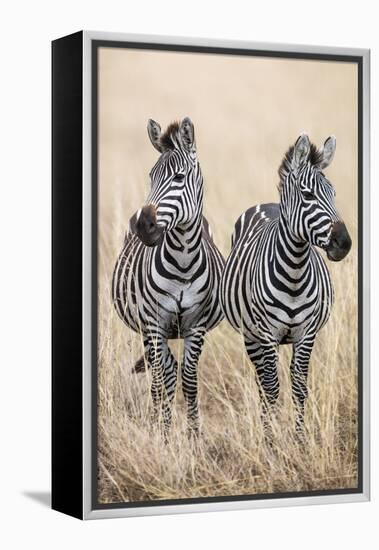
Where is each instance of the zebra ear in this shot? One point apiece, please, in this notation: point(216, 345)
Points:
point(154, 131)
point(301, 151)
point(187, 134)
point(327, 153)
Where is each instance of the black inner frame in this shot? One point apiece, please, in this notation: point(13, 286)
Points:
point(96, 44)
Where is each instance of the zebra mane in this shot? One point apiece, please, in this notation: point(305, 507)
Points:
point(168, 139)
point(315, 157)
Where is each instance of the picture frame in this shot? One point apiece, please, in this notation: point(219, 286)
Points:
point(75, 227)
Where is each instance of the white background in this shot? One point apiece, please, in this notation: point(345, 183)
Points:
point(26, 31)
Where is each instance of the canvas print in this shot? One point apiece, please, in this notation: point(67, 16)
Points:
point(227, 359)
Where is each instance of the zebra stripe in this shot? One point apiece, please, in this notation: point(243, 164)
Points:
point(276, 287)
point(166, 279)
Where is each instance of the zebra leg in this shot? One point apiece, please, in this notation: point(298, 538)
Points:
point(164, 370)
point(265, 358)
point(299, 375)
point(193, 345)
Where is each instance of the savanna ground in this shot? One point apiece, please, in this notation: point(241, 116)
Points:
point(231, 457)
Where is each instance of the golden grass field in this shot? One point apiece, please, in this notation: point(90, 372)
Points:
point(242, 128)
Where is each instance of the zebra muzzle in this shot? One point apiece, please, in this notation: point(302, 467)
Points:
point(340, 243)
point(146, 227)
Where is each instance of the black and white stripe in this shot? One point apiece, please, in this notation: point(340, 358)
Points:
point(166, 279)
point(276, 287)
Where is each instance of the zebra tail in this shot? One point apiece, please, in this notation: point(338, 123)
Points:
point(141, 364)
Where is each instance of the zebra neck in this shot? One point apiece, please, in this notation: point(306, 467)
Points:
point(291, 255)
point(183, 245)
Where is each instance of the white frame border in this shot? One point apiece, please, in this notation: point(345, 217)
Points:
point(88, 512)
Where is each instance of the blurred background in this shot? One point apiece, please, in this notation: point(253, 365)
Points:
point(247, 111)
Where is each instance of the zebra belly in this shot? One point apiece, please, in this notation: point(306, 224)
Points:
point(281, 328)
point(183, 311)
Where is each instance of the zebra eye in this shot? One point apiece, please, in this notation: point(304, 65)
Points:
point(308, 196)
point(178, 178)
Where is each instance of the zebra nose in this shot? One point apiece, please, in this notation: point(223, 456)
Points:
point(340, 242)
point(147, 228)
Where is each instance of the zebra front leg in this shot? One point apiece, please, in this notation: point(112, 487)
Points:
point(193, 345)
point(299, 375)
point(265, 358)
point(164, 370)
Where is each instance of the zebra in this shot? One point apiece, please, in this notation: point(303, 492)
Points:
point(276, 288)
point(166, 279)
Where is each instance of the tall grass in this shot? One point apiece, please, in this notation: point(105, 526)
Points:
point(231, 457)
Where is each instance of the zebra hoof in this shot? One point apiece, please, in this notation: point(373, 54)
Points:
point(193, 433)
point(269, 437)
point(300, 437)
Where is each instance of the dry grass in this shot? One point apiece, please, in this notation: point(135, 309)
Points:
point(231, 457)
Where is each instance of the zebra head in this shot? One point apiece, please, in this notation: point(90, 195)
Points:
point(176, 196)
point(308, 198)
